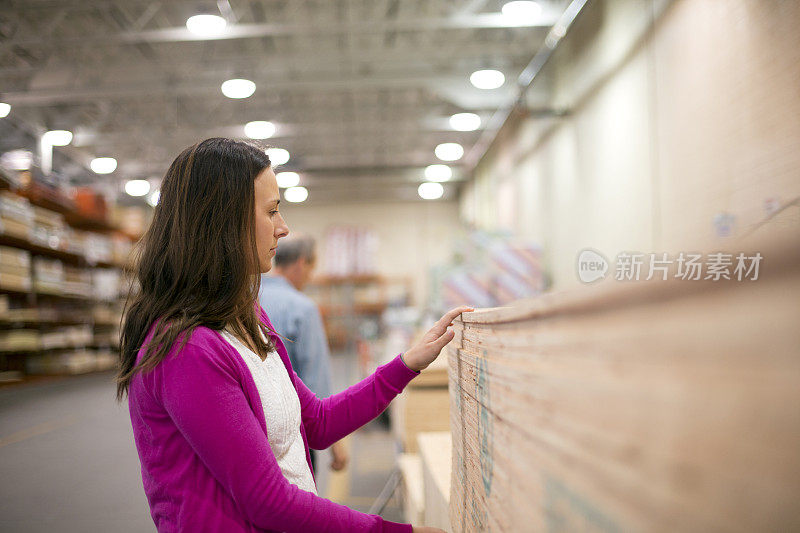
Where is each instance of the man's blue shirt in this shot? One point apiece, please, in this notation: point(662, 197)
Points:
point(296, 317)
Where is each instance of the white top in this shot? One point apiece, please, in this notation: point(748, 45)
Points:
point(281, 412)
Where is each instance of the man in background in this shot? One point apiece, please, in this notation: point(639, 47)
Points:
point(295, 316)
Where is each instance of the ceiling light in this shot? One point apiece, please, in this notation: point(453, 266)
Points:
point(487, 79)
point(277, 156)
point(206, 25)
point(58, 137)
point(521, 10)
point(287, 179)
point(438, 173)
point(137, 187)
point(430, 190)
point(5, 109)
point(295, 194)
point(465, 122)
point(449, 151)
point(259, 129)
point(238, 88)
point(103, 165)
point(153, 198)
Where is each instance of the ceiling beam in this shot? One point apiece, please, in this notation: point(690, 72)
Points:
point(66, 94)
point(288, 28)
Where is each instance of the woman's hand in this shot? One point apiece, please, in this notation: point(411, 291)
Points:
point(339, 456)
point(425, 529)
point(424, 353)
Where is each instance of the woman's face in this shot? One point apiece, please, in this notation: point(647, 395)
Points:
point(269, 223)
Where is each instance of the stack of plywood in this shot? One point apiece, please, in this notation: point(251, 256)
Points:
point(410, 466)
point(642, 406)
point(435, 450)
point(424, 405)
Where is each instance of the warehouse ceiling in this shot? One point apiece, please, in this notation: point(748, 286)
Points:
point(360, 91)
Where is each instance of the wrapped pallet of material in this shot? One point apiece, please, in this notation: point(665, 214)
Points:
point(641, 406)
point(435, 449)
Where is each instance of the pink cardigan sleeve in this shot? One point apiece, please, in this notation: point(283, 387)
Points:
point(333, 418)
point(206, 402)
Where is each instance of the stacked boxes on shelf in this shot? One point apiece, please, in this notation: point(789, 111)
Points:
point(15, 269)
point(77, 281)
point(98, 248)
point(49, 228)
point(66, 337)
point(121, 250)
point(650, 406)
point(19, 340)
point(67, 362)
point(16, 216)
point(48, 275)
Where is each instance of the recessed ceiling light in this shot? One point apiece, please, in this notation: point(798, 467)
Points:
point(206, 25)
point(295, 194)
point(103, 165)
point(287, 179)
point(58, 137)
point(438, 173)
point(259, 129)
point(449, 151)
point(278, 156)
point(487, 79)
point(521, 10)
point(465, 122)
point(430, 190)
point(5, 109)
point(238, 88)
point(137, 187)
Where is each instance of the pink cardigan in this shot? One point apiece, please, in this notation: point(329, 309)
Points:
point(200, 431)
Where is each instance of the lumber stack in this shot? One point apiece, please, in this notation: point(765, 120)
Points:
point(642, 406)
point(435, 453)
point(410, 466)
point(424, 405)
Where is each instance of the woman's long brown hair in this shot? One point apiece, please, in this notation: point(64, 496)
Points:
point(197, 264)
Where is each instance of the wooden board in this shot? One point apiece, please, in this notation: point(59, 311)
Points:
point(647, 406)
point(419, 409)
point(410, 466)
point(435, 452)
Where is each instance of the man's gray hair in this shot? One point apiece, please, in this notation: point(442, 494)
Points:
point(292, 249)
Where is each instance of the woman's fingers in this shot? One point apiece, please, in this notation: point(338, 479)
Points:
point(442, 341)
point(441, 326)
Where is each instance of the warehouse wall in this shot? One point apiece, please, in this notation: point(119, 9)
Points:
point(681, 116)
point(412, 235)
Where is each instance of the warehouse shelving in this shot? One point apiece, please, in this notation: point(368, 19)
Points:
point(44, 311)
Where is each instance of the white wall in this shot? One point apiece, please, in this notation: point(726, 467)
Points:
point(413, 236)
point(670, 125)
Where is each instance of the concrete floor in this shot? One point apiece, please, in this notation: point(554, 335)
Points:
point(68, 462)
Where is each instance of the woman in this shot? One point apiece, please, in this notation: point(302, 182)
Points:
point(221, 421)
